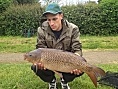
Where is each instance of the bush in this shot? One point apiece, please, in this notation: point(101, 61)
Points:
point(20, 18)
point(109, 16)
point(94, 19)
point(4, 4)
point(85, 17)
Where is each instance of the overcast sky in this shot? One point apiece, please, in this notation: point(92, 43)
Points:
point(75, 1)
point(65, 2)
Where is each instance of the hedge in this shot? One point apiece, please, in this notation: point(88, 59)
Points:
point(19, 19)
point(85, 17)
point(4, 4)
point(109, 16)
point(92, 19)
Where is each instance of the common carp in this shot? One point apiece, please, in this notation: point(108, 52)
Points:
point(63, 61)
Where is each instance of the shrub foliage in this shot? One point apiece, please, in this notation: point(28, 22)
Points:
point(91, 18)
point(94, 19)
point(17, 19)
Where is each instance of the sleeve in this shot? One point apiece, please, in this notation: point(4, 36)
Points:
point(76, 45)
point(40, 39)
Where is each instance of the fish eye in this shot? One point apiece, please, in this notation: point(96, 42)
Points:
point(30, 55)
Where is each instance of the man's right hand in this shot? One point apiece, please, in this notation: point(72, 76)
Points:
point(40, 66)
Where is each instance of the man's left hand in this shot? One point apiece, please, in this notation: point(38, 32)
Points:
point(76, 72)
point(77, 54)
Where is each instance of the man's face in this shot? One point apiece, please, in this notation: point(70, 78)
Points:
point(55, 21)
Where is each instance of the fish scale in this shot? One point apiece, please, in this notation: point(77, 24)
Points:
point(64, 60)
point(55, 64)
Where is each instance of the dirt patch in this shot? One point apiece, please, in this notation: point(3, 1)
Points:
point(91, 56)
point(11, 57)
point(103, 57)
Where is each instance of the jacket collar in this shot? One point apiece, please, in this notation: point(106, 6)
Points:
point(46, 27)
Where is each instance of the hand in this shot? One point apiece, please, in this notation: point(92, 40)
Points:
point(77, 54)
point(40, 66)
point(76, 72)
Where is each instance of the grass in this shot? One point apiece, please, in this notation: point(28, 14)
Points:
point(100, 42)
point(17, 44)
point(21, 44)
point(20, 76)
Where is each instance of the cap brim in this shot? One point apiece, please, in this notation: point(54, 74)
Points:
point(51, 12)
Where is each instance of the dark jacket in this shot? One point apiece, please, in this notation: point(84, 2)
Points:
point(68, 41)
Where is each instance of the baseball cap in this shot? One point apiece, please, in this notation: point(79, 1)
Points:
point(52, 8)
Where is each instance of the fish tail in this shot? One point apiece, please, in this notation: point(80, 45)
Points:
point(95, 73)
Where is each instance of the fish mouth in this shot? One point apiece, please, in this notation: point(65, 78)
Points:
point(25, 57)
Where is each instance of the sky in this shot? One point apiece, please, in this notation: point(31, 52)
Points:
point(65, 2)
point(75, 1)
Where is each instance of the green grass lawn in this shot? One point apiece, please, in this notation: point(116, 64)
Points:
point(17, 44)
point(21, 44)
point(100, 42)
point(20, 76)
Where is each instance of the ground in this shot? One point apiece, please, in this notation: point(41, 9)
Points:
point(92, 57)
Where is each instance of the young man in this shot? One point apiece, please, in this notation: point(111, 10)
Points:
point(57, 33)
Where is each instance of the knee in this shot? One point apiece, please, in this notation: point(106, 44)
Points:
point(80, 74)
point(70, 77)
point(33, 67)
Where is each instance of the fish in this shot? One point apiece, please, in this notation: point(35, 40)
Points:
point(63, 61)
